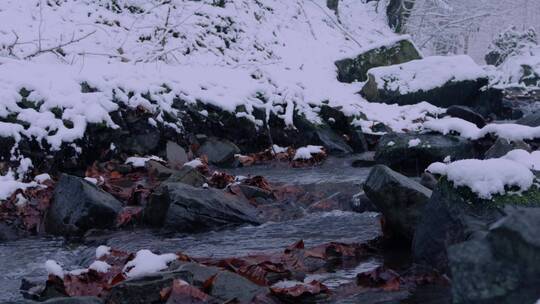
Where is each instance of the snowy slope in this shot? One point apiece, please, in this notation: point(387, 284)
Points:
point(276, 55)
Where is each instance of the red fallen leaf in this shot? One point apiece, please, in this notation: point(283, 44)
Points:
point(128, 215)
point(301, 292)
point(220, 180)
point(258, 181)
point(183, 293)
point(380, 277)
point(207, 285)
point(295, 246)
point(165, 293)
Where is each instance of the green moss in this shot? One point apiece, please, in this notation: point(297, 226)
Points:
point(529, 198)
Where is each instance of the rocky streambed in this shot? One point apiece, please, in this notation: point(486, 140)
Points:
point(326, 213)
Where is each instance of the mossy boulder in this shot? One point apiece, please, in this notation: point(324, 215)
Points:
point(453, 215)
point(355, 69)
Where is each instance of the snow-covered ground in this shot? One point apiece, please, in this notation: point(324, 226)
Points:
point(277, 55)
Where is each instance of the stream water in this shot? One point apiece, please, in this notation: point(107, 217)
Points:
point(25, 258)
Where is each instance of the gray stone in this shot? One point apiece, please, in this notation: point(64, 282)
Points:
point(145, 289)
point(184, 208)
point(414, 160)
point(531, 120)
point(219, 151)
point(75, 300)
point(502, 146)
point(399, 198)
point(229, 286)
point(176, 155)
point(504, 266)
point(79, 206)
point(467, 114)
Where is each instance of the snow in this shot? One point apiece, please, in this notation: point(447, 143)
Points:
point(448, 125)
point(277, 149)
point(141, 161)
point(10, 184)
point(414, 142)
point(53, 268)
point(509, 131)
point(146, 262)
point(530, 160)
point(307, 151)
point(486, 177)
point(102, 251)
point(512, 71)
point(425, 74)
point(99, 266)
point(41, 178)
point(391, 144)
point(91, 180)
point(194, 163)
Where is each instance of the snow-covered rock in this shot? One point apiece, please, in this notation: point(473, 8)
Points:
point(441, 81)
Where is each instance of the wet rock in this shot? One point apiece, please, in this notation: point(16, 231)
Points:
point(189, 176)
point(158, 170)
point(467, 114)
point(176, 155)
point(411, 154)
point(391, 87)
point(228, 286)
point(184, 208)
point(366, 159)
point(503, 267)
point(531, 120)
point(79, 206)
point(502, 146)
point(7, 232)
point(453, 215)
point(330, 137)
point(251, 192)
point(75, 300)
point(145, 289)
point(362, 203)
point(399, 198)
point(428, 180)
point(355, 69)
point(219, 151)
point(200, 273)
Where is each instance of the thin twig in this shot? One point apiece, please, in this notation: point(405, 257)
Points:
point(61, 45)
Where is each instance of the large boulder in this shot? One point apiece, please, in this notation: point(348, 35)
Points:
point(399, 198)
point(504, 266)
point(79, 206)
point(411, 154)
point(441, 81)
point(396, 52)
point(229, 287)
point(183, 208)
point(454, 215)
